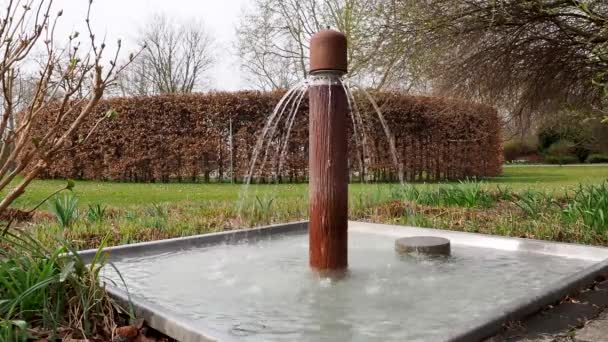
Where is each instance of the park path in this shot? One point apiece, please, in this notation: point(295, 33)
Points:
point(582, 318)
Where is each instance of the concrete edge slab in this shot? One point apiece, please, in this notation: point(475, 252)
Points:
point(567, 250)
point(165, 320)
point(182, 329)
point(563, 320)
point(161, 246)
point(492, 323)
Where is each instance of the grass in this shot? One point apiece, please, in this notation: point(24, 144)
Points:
point(44, 285)
point(542, 178)
point(51, 294)
point(65, 209)
point(556, 203)
point(551, 178)
point(590, 203)
point(463, 194)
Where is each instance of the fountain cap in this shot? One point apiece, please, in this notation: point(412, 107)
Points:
point(328, 51)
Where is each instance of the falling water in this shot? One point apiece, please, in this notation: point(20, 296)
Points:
point(285, 139)
point(387, 132)
point(294, 97)
point(272, 124)
point(269, 146)
point(358, 130)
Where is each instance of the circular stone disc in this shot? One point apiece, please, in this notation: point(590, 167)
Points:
point(423, 244)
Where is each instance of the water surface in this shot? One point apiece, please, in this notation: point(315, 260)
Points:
point(265, 290)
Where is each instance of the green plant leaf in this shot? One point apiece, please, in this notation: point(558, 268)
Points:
point(19, 324)
point(111, 113)
point(65, 209)
point(66, 271)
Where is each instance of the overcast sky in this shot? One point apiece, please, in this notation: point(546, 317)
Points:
point(122, 19)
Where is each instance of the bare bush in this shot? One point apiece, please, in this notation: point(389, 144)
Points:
point(68, 83)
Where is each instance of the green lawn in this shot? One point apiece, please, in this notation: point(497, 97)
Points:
point(542, 178)
point(551, 177)
point(526, 201)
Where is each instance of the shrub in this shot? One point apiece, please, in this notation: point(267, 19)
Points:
point(515, 150)
point(597, 158)
point(561, 160)
point(567, 125)
point(561, 152)
point(561, 148)
point(187, 137)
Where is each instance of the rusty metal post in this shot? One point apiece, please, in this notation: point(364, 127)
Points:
point(328, 158)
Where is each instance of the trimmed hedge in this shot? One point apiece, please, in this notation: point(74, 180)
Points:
point(552, 159)
point(188, 137)
point(597, 158)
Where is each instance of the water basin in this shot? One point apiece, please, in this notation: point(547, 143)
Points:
point(263, 290)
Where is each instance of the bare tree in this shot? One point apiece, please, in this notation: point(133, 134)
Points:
point(273, 41)
point(175, 59)
point(531, 57)
point(258, 44)
point(69, 83)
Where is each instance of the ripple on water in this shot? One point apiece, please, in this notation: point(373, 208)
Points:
point(265, 290)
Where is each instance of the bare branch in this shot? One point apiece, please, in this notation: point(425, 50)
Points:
point(69, 84)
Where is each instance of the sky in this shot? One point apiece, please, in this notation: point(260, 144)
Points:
point(123, 18)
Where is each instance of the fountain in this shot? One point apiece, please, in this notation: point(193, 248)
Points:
point(254, 284)
point(328, 163)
